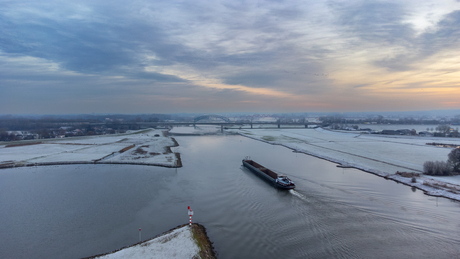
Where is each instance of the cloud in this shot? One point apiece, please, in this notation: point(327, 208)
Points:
point(251, 52)
point(110, 45)
point(381, 22)
point(112, 41)
point(446, 35)
point(360, 86)
point(74, 45)
point(384, 25)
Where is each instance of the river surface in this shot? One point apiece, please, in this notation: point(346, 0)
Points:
point(77, 211)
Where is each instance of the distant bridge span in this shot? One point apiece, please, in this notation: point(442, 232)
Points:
point(210, 117)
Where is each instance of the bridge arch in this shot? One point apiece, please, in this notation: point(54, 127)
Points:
point(211, 117)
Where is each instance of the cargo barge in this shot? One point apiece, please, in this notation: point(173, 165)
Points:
point(279, 181)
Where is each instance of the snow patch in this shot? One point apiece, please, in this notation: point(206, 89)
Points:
point(177, 244)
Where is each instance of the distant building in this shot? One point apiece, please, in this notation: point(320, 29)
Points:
point(404, 131)
point(390, 132)
point(396, 132)
point(425, 134)
point(30, 136)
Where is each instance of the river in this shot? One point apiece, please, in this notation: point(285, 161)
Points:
point(77, 211)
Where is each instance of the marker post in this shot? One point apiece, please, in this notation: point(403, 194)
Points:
point(190, 213)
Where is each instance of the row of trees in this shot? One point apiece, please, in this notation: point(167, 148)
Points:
point(442, 168)
point(11, 122)
point(340, 118)
point(5, 136)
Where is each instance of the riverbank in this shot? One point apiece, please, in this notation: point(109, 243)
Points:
point(380, 155)
point(181, 242)
point(146, 147)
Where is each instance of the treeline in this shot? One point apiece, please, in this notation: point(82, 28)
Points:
point(5, 136)
point(338, 118)
point(82, 130)
point(442, 168)
point(34, 123)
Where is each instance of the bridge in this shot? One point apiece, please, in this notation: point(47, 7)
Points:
point(222, 124)
point(211, 117)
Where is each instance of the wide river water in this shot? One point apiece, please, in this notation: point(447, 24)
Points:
point(78, 211)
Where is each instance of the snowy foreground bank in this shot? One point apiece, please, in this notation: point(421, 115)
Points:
point(377, 154)
point(144, 147)
point(181, 242)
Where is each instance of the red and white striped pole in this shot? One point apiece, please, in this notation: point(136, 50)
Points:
point(190, 213)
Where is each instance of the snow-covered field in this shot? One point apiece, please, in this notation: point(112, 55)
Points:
point(150, 147)
point(379, 154)
point(176, 244)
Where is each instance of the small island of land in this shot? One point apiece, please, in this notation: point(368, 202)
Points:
point(144, 147)
point(181, 242)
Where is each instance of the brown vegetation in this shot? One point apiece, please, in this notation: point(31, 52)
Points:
point(178, 160)
point(445, 186)
point(203, 242)
point(127, 148)
point(140, 151)
point(23, 144)
point(407, 174)
point(444, 145)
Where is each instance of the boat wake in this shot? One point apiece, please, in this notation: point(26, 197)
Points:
point(298, 195)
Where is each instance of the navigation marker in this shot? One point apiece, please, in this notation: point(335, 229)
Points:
point(190, 213)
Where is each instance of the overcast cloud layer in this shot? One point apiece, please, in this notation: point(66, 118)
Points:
point(228, 56)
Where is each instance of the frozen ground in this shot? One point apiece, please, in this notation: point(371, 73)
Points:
point(145, 147)
point(378, 154)
point(176, 244)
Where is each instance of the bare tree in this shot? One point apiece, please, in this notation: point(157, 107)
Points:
point(440, 168)
point(443, 128)
point(11, 136)
point(3, 135)
point(454, 160)
point(454, 134)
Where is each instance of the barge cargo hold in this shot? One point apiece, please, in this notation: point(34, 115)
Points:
point(280, 181)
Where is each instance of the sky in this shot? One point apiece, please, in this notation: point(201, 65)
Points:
point(197, 56)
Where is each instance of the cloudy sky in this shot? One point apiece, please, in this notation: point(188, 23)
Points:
point(171, 56)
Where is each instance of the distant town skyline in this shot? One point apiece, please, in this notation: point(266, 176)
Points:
point(59, 57)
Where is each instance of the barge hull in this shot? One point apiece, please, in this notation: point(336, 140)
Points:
point(258, 172)
point(265, 173)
